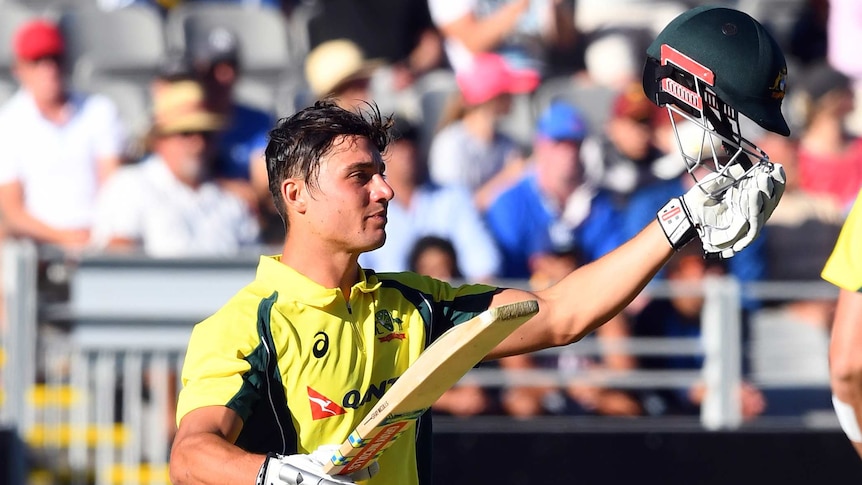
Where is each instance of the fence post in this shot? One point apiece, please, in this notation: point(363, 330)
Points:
point(20, 260)
point(722, 369)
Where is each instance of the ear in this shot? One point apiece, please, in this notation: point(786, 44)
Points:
point(295, 195)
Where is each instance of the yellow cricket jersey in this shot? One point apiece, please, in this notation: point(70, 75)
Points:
point(844, 266)
point(302, 365)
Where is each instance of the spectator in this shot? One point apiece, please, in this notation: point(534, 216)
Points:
point(167, 205)
point(423, 208)
point(527, 33)
point(338, 69)
point(435, 257)
point(552, 209)
point(216, 60)
point(680, 316)
point(808, 39)
point(791, 336)
point(56, 146)
point(469, 149)
point(397, 32)
point(830, 158)
point(623, 158)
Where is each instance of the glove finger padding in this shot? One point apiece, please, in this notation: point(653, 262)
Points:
point(729, 212)
point(307, 469)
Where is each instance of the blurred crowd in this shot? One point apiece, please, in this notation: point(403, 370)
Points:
point(525, 147)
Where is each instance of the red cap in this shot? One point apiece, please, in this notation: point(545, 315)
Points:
point(490, 76)
point(37, 39)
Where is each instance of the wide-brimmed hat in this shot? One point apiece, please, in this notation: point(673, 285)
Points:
point(179, 107)
point(335, 63)
point(489, 76)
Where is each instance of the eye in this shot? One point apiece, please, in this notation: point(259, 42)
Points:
point(361, 176)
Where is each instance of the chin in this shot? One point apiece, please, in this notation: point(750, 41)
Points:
point(375, 245)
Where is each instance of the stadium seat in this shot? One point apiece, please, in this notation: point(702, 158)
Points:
point(594, 100)
point(124, 44)
point(12, 15)
point(435, 90)
point(132, 100)
point(264, 40)
point(7, 89)
point(519, 122)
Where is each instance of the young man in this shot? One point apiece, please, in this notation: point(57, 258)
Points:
point(295, 360)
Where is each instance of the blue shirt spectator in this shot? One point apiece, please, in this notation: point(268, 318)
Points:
point(552, 210)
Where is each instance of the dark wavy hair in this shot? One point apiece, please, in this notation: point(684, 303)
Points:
point(298, 142)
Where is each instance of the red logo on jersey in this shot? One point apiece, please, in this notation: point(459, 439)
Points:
point(392, 336)
point(322, 406)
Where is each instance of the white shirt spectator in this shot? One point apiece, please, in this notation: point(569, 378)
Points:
point(56, 165)
point(522, 48)
point(148, 204)
point(459, 158)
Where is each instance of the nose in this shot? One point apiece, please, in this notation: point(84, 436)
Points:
point(381, 189)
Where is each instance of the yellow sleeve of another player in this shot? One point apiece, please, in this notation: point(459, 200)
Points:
point(844, 266)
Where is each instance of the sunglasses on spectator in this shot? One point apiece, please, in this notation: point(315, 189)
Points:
point(55, 59)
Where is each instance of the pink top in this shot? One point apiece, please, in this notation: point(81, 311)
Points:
point(838, 175)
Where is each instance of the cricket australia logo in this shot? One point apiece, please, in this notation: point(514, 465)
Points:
point(322, 406)
point(385, 326)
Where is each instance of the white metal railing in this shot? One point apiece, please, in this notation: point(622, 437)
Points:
point(110, 384)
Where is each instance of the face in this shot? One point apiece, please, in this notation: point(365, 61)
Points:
point(187, 154)
point(436, 263)
point(43, 78)
point(347, 208)
point(557, 166)
point(403, 166)
point(632, 138)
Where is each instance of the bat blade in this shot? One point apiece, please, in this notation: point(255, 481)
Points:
point(437, 369)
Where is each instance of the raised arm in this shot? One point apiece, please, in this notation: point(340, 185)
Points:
point(725, 218)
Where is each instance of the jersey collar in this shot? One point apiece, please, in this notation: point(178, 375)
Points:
point(297, 287)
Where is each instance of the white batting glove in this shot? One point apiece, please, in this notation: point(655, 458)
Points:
point(725, 212)
point(303, 469)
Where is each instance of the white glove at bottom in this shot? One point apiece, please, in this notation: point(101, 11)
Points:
point(303, 469)
point(727, 222)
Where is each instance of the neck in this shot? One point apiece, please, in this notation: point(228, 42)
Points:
point(53, 109)
point(825, 135)
point(480, 124)
point(317, 262)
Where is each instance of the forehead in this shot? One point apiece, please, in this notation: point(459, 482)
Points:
point(347, 150)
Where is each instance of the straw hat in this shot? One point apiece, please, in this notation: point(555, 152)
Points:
point(179, 107)
point(334, 63)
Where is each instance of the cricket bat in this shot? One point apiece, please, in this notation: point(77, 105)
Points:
point(437, 369)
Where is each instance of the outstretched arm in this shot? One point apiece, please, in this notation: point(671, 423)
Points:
point(726, 219)
point(587, 297)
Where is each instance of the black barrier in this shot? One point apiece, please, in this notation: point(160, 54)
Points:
point(11, 458)
point(642, 457)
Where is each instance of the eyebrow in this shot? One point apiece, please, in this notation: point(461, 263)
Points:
point(366, 164)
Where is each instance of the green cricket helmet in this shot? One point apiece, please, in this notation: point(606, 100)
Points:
point(709, 65)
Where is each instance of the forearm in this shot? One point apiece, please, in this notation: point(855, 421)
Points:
point(589, 296)
point(845, 361)
point(21, 224)
point(489, 32)
point(207, 459)
point(596, 292)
